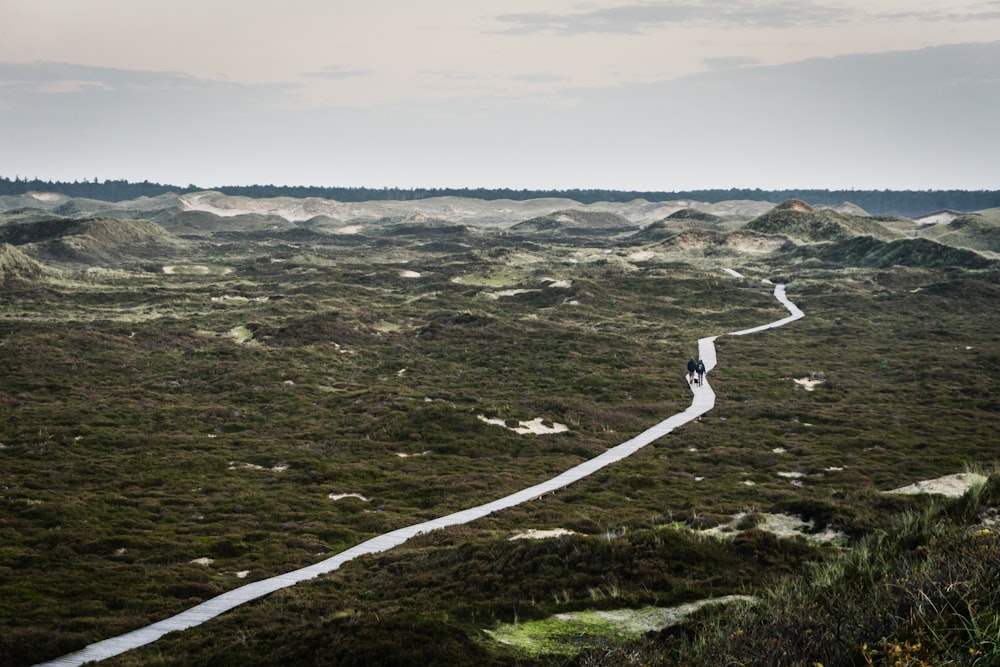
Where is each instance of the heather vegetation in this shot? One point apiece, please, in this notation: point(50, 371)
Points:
point(197, 402)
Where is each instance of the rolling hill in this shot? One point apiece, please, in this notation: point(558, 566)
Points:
point(802, 223)
point(91, 240)
point(975, 231)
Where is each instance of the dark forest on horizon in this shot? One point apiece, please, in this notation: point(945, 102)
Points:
point(901, 202)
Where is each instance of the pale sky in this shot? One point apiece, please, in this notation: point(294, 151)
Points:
point(648, 95)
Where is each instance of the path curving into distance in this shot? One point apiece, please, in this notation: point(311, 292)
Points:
point(702, 401)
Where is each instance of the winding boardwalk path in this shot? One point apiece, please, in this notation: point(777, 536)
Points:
point(702, 402)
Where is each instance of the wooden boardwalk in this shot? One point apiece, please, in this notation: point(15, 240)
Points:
point(702, 401)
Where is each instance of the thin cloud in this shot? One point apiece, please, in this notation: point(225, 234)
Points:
point(66, 86)
point(988, 10)
point(640, 18)
point(51, 77)
point(939, 17)
point(449, 75)
point(30, 86)
point(540, 78)
point(339, 73)
point(730, 62)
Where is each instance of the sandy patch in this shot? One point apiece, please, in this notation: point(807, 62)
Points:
point(782, 525)
point(172, 269)
point(225, 298)
point(535, 426)
point(641, 256)
point(340, 496)
point(242, 335)
point(809, 384)
point(348, 229)
point(534, 534)
point(747, 244)
point(940, 217)
point(552, 282)
point(46, 196)
point(237, 465)
point(950, 485)
point(507, 292)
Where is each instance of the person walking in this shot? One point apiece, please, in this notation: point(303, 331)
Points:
point(701, 372)
point(691, 369)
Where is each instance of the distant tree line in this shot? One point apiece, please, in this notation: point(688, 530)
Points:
point(902, 202)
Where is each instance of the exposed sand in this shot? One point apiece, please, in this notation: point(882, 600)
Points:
point(46, 196)
point(241, 335)
point(641, 256)
point(940, 217)
point(236, 465)
point(534, 534)
point(506, 292)
point(952, 486)
point(339, 496)
point(171, 269)
point(782, 525)
point(225, 298)
point(535, 426)
point(809, 384)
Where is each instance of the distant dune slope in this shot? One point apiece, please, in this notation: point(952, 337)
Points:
point(94, 240)
point(15, 265)
point(865, 251)
point(801, 222)
point(976, 231)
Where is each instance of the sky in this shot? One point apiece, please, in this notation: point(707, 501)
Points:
point(527, 94)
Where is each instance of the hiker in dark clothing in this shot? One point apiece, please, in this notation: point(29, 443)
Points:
point(691, 369)
point(701, 371)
